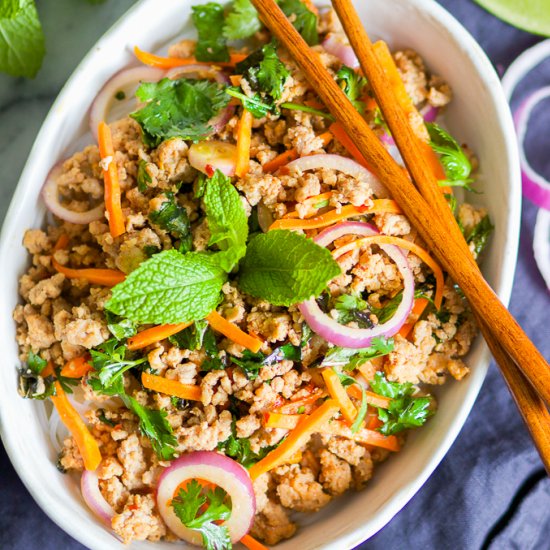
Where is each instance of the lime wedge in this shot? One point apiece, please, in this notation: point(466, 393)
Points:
point(529, 15)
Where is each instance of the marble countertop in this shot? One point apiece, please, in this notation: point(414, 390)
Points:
point(489, 492)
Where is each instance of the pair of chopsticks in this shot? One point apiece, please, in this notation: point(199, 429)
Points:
point(525, 370)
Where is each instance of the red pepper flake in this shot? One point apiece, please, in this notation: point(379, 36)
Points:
point(209, 170)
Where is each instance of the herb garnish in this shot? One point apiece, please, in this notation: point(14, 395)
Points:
point(173, 218)
point(362, 412)
point(404, 411)
point(239, 449)
point(209, 21)
point(354, 309)
point(304, 21)
point(202, 510)
point(352, 85)
point(143, 177)
point(241, 21)
point(479, 235)
point(251, 362)
point(349, 358)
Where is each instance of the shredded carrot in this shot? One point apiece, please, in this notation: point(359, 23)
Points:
point(340, 395)
point(373, 422)
point(104, 277)
point(372, 398)
point(85, 441)
point(236, 79)
point(340, 134)
point(171, 62)
point(312, 204)
point(77, 367)
point(110, 176)
point(233, 332)
point(244, 137)
point(364, 436)
point(402, 243)
point(292, 407)
point(284, 421)
point(296, 439)
point(419, 306)
point(62, 242)
point(333, 216)
point(171, 387)
point(252, 544)
point(292, 154)
point(155, 334)
point(365, 371)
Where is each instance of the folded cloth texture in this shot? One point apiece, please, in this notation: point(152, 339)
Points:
point(490, 491)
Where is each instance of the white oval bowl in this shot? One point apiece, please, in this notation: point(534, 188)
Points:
point(478, 115)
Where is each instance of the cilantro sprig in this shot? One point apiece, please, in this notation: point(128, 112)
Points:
point(173, 218)
point(304, 20)
point(352, 85)
point(349, 358)
point(404, 411)
point(479, 235)
point(209, 21)
point(200, 510)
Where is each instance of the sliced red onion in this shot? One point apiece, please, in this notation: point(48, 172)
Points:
point(535, 187)
point(265, 217)
point(341, 164)
point(337, 45)
point(429, 113)
point(50, 195)
point(219, 470)
point(209, 156)
point(541, 244)
point(119, 82)
point(89, 485)
point(340, 335)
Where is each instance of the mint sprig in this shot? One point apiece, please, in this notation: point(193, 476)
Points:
point(169, 288)
point(285, 268)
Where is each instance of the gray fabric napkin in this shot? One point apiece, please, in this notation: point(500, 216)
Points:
point(490, 492)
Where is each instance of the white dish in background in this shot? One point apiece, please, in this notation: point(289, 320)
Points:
point(478, 115)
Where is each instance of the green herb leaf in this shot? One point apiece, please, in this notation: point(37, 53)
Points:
point(187, 505)
point(254, 103)
point(110, 362)
point(479, 235)
point(21, 38)
point(120, 328)
point(455, 162)
point(33, 386)
point(251, 362)
point(351, 308)
point(304, 21)
point(239, 449)
point(226, 220)
point(285, 268)
point(350, 358)
point(199, 335)
point(306, 109)
point(169, 288)
point(209, 21)
point(35, 362)
point(404, 411)
point(242, 21)
point(143, 177)
point(178, 108)
point(352, 85)
point(173, 218)
point(362, 412)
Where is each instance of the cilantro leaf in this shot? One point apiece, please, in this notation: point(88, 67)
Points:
point(479, 235)
point(169, 288)
point(404, 411)
point(455, 162)
point(351, 308)
point(352, 85)
point(350, 358)
point(285, 268)
point(195, 337)
point(35, 362)
point(254, 104)
point(264, 71)
point(252, 362)
point(242, 21)
point(178, 108)
point(21, 38)
point(226, 220)
point(362, 412)
point(143, 177)
point(173, 218)
point(239, 449)
point(304, 21)
point(187, 506)
point(110, 362)
point(209, 21)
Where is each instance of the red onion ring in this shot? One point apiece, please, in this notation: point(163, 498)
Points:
point(336, 45)
point(535, 187)
point(215, 468)
point(89, 485)
point(340, 335)
point(342, 164)
point(117, 82)
point(51, 199)
point(429, 113)
point(541, 244)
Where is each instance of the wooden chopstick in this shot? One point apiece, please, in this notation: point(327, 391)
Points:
point(446, 242)
point(534, 412)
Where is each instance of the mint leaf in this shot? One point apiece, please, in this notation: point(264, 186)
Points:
point(285, 268)
point(304, 21)
point(173, 218)
point(187, 506)
point(178, 108)
point(226, 220)
point(242, 21)
point(169, 288)
point(21, 38)
point(209, 21)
